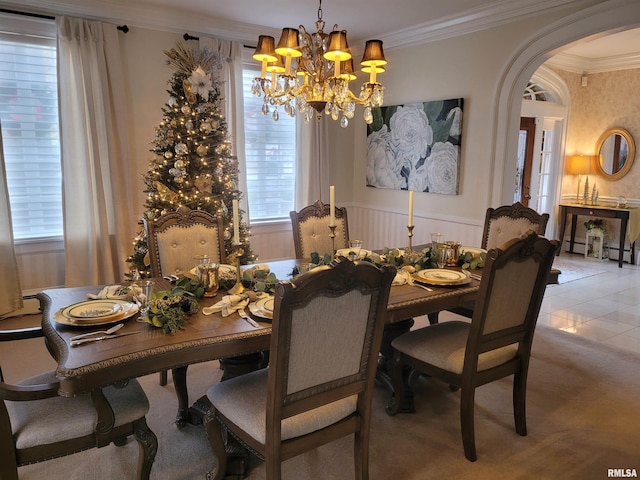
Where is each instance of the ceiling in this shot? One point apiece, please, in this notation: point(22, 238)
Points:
point(398, 23)
point(364, 19)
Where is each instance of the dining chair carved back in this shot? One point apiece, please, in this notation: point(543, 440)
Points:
point(311, 231)
point(495, 344)
point(501, 225)
point(36, 424)
point(511, 221)
point(326, 335)
point(175, 238)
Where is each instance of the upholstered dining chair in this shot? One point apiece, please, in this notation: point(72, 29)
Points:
point(326, 335)
point(500, 225)
point(36, 424)
point(175, 238)
point(495, 344)
point(311, 229)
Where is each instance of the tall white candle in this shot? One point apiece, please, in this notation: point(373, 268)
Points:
point(236, 223)
point(332, 205)
point(410, 208)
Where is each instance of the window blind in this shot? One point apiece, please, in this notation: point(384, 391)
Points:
point(29, 126)
point(270, 152)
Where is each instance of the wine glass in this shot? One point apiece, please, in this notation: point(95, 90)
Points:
point(355, 246)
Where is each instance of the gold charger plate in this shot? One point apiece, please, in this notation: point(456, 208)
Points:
point(262, 308)
point(442, 276)
point(125, 310)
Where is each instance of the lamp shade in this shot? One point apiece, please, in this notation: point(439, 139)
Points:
point(373, 54)
point(288, 43)
point(346, 70)
point(278, 66)
point(265, 49)
point(338, 48)
point(578, 164)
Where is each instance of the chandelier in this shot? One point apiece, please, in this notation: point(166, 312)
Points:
point(310, 73)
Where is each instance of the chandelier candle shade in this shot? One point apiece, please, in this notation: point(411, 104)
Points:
point(315, 74)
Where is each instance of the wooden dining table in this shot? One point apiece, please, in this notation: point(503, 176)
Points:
point(204, 338)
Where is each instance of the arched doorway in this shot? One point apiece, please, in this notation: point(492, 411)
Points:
point(601, 19)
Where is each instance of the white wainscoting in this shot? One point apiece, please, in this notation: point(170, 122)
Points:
point(376, 227)
point(379, 228)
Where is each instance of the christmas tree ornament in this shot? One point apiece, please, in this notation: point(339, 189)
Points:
point(201, 150)
point(181, 149)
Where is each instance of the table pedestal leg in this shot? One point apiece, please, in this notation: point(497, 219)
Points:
point(392, 331)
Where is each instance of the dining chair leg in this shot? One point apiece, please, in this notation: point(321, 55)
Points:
point(216, 441)
point(519, 402)
point(361, 453)
point(148, 443)
point(273, 467)
point(467, 400)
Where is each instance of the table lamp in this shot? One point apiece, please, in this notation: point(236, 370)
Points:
point(579, 165)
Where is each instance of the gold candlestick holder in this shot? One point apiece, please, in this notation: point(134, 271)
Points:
point(238, 288)
point(332, 228)
point(410, 235)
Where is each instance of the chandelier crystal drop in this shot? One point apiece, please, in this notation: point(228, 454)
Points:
point(309, 73)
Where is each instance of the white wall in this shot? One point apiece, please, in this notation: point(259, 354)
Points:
point(453, 68)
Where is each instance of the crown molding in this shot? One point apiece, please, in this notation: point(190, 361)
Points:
point(578, 64)
point(475, 20)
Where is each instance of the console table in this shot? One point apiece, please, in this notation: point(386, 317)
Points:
point(629, 223)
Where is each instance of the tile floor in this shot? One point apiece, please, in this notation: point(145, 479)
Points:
point(604, 307)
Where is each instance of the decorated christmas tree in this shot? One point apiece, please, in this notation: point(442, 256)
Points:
point(192, 162)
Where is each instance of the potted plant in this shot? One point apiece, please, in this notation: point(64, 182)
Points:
point(595, 225)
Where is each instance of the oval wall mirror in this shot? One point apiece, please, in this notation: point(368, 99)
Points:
point(616, 151)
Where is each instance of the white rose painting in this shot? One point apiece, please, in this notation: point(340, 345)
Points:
point(416, 147)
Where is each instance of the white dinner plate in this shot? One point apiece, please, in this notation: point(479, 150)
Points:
point(126, 310)
point(93, 309)
point(442, 276)
point(262, 308)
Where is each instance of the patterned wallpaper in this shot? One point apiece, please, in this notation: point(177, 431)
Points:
point(610, 99)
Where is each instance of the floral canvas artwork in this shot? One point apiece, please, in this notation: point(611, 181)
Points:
point(416, 147)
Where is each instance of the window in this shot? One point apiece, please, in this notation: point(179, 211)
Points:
point(270, 151)
point(30, 130)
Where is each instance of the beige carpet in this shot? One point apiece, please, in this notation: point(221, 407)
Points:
point(583, 418)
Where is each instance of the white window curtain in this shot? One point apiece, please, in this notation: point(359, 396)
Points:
point(313, 165)
point(96, 168)
point(10, 290)
point(233, 104)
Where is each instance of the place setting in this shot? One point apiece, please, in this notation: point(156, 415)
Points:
point(90, 313)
